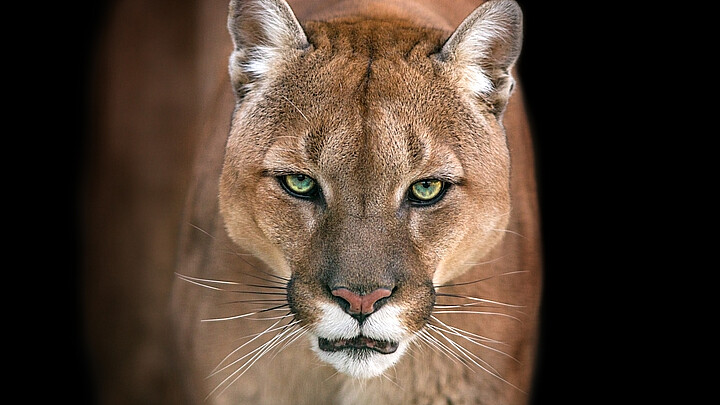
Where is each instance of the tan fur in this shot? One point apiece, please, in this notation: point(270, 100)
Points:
point(366, 99)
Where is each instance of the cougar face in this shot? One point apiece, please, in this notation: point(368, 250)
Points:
point(366, 165)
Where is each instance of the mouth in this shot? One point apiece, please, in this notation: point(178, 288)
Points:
point(359, 342)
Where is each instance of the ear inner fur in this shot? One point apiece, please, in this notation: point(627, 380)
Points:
point(484, 48)
point(263, 32)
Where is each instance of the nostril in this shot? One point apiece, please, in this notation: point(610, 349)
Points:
point(355, 300)
point(361, 304)
point(369, 300)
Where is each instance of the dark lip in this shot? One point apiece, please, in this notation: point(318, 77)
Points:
point(359, 342)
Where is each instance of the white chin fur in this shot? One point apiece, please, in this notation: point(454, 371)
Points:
point(384, 324)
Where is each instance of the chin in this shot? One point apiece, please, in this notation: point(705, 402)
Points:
point(360, 351)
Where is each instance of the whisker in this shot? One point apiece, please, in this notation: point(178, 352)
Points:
point(202, 230)
point(302, 331)
point(441, 348)
point(200, 282)
point(270, 318)
point(468, 333)
point(268, 286)
point(392, 381)
point(254, 355)
point(469, 355)
point(233, 252)
point(257, 293)
point(424, 337)
point(509, 231)
point(479, 313)
point(241, 257)
point(470, 304)
point(256, 301)
point(475, 342)
point(482, 279)
point(257, 335)
point(485, 262)
point(229, 318)
point(480, 300)
point(283, 331)
point(289, 314)
point(296, 107)
point(258, 354)
point(197, 280)
point(413, 348)
point(204, 282)
point(331, 376)
point(283, 281)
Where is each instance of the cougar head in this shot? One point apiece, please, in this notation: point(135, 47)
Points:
point(367, 163)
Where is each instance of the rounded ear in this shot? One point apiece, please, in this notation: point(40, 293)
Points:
point(263, 33)
point(484, 49)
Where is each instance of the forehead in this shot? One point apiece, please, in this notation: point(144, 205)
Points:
point(367, 85)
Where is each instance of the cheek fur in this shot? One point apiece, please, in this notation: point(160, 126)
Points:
point(458, 233)
point(434, 234)
point(285, 220)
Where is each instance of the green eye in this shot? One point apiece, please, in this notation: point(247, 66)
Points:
point(299, 185)
point(426, 191)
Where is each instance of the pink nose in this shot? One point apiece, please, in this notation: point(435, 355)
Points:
point(361, 304)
